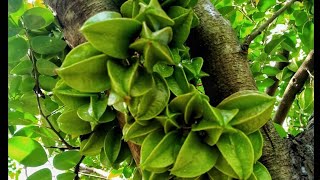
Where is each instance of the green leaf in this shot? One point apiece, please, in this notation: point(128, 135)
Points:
point(182, 23)
point(178, 83)
point(271, 47)
point(26, 151)
point(194, 158)
point(88, 75)
point(223, 166)
point(288, 45)
point(23, 68)
point(46, 67)
point(157, 151)
point(18, 118)
point(152, 103)
point(306, 98)
point(281, 131)
point(215, 174)
point(270, 71)
point(66, 160)
point(92, 146)
point(191, 105)
point(254, 109)
point(28, 131)
point(94, 111)
point(17, 48)
point(67, 121)
point(237, 149)
point(47, 82)
point(13, 28)
point(261, 172)
point(14, 5)
point(307, 36)
point(264, 5)
point(44, 174)
point(110, 33)
point(213, 131)
point(163, 69)
point(154, 15)
point(136, 132)
point(300, 17)
point(112, 144)
point(47, 45)
point(37, 18)
point(70, 97)
point(256, 140)
point(66, 176)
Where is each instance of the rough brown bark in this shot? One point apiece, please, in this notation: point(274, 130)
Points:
point(302, 153)
point(72, 14)
point(215, 41)
point(280, 65)
point(295, 85)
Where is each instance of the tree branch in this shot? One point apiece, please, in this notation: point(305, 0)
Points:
point(39, 93)
point(89, 170)
point(77, 168)
point(280, 65)
point(259, 30)
point(294, 86)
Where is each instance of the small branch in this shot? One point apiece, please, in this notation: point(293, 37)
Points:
point(39, 93)
point(61, 148)
point(259, 30)
point(280, 65)
point(245, 14)
point(89, 170)
point(77, 168)
point(294, 86)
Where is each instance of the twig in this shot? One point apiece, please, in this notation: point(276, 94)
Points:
point(77, 168)
point(61, 148)
point(102, 174)
point(259, 30)
point(39, 93)
point(294, 86)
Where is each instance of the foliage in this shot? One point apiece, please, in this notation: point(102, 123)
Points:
point(137, 63)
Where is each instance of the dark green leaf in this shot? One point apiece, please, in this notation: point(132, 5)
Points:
point(300, 17)
point(256, 140)
point(271, 47)
point(237, 149)
point(270, 71)
point(44, 174)
point(23, 68)
point(194, 158)
point(112, 144)
point(66, 176)
point(14, 5)
point(92, 146)
point(47, 45)
point(264, 5)
point(282, 133)
point(26, 151)
point(109, 33)
point(307, 36)
point(46, 67)
point(254, 109)
point(68, 120)
point(37, 18)
point(66, 160)
point(17, 48)
point(47, 82)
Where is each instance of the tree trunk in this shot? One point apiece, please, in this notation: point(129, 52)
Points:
point(215, 41)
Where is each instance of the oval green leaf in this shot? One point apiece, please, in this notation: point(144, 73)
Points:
point(70, 123)
point(194, 158)
point(237, 149)
point(44, 174)
point(17, 48)
point(37, 18)
point(47, 45)
point(26, 151)
point(112, 144)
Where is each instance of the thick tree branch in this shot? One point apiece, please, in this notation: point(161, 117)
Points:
point(215, 41)
point(294, 86)
point(280, 65)
point(259, 30)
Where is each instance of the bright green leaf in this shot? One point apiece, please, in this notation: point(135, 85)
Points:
point(26, 151)
point(47, 45)
point(17, 48)
point(44, 174)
